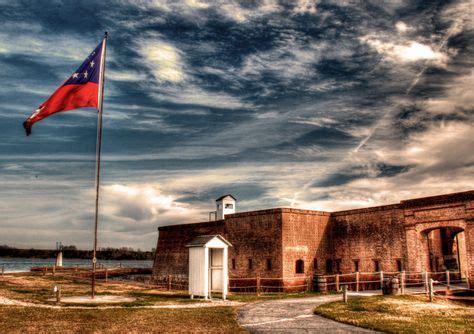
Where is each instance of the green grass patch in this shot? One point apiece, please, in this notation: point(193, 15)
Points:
point(394, 314)
point(250, 297)
point(40, 320)
point(39, 289)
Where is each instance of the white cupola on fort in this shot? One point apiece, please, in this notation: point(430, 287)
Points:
point(225, 205)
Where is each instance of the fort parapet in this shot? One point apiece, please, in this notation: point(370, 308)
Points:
point(432, 233)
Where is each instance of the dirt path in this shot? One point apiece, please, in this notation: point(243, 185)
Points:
point(12, 302)
point(291, 316)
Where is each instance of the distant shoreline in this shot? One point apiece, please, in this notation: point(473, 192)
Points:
point(71, 252)
point(13, 265)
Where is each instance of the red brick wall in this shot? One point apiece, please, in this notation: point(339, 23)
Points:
point(435, 242)
point(255, 235)
point(367, 235)
point(172, 254)
point(304, 237)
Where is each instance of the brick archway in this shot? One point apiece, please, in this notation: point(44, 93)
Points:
point(424, 227)
point(417, 247)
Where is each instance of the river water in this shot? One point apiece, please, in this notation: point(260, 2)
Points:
point(24, 264)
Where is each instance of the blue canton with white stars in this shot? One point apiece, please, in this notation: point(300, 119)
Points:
point(89, 71)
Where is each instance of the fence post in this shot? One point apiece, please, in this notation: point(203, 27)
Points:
point(357, 281)
point(169, 282)
point(337, 283)
point(402, 283)
point(54, 269)
point(106, 275)
point(431, 290)
point(57, 292)
point(77, 268)
point(448, 280)
point(426, 283)
point(308, 284)
point(381, 280)
point(468, 282)
point(258, 285)
point(344, 293)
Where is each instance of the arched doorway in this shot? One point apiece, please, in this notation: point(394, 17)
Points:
point(444, 249)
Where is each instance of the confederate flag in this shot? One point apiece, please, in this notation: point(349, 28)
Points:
point(81, 89)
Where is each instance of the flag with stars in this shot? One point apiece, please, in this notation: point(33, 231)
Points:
point(80, 90)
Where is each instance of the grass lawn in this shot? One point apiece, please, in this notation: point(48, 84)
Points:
point(39, 289)
point(251, 297)
point(402, 314)
point(14, 319)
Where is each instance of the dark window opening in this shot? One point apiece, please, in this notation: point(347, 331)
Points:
point(376, 265)
point(269, 264)
point(233, 263)
point(250, 264)
point(299, 267)
point(329, 266)
point(315, 264)
point(338, 266)
point(229, 206)
point(356, 265)
point(399, 265)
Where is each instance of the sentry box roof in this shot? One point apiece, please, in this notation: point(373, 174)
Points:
point(224, 196)
point(203, 240)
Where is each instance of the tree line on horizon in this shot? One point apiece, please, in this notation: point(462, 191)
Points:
point(71, 252)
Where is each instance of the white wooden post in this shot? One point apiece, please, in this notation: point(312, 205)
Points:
point(225, 273)
point(258, 285)
point(207, 279)
point(426, 282)
point(431, 292)
point(448, 280)
point(344, 293)
point(337, 283)
point(381, 280)
point(402, 283)
point(468, 281)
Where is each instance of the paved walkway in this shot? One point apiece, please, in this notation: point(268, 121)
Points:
point(292, 316)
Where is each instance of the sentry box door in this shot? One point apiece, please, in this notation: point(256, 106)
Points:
point(216, 268)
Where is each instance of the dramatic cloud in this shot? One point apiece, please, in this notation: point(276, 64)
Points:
point(409, 52)
point(322, 105)
point(143, 203)
point(163, 59)
point(402, 26)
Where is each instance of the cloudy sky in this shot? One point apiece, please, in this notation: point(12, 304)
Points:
point(323, 105)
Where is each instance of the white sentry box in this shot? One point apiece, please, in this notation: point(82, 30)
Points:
point(208, 269)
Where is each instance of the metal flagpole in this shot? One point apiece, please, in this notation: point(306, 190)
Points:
point(98, 146)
